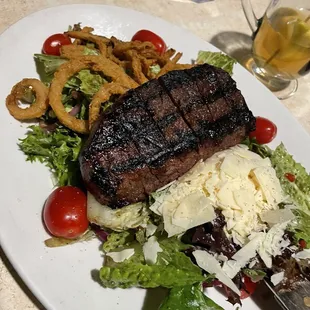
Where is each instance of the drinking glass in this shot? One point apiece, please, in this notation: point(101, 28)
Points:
point(281, 44)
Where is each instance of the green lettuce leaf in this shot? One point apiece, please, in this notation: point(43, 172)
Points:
point(89, 82)
point(298, 191)
point(217, 59)
point(117, 240)
point(47, 66)
point(59, 150)
point(173, 268)
point(137, 274)
point(189, 297)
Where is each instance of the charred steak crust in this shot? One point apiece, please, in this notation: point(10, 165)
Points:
point(155, 133)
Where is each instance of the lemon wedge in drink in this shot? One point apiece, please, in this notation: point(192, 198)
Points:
point(301, 34)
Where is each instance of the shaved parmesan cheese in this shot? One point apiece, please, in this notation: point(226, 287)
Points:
point(248, 251)
point(150, 250)
point(208, 263)
point(150, 229)
point(277, 278)
point(120, 256)
point(243, 256)
point(194, 210)
point(270, 184)
point(273, 217)
point(237, 181)
point(305, 254)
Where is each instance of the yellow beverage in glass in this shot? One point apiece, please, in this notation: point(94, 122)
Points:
point(281, 47)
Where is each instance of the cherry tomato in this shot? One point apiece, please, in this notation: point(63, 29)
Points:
point(302, 243)
point(249, 287)
point(53, 44)
point(65, 212)
point(291, 177)
point(149, 36)
point(265, 130)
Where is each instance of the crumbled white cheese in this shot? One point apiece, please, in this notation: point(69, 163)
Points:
point(277, 278)
point(120, 256)
point(209, 263)
point(304, 254)
point(150, 250)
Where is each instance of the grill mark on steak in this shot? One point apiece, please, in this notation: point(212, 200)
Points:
point(185, 96)
point(178, 136)
point(157, 132)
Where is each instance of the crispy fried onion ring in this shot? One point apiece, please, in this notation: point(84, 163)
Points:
point(103, 95)
point(65, 71)
point(100, 41)
point(71, 51)
point(36, 109)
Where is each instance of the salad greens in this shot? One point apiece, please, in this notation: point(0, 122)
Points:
point(298, 191)
point(189, 297)
point(172, 268)
point(59, 150)
point(217, 59)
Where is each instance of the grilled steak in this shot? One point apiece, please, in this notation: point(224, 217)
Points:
point(155, 133)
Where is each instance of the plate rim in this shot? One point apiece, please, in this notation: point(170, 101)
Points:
point(34, 290)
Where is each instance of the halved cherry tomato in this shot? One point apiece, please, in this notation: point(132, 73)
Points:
point(52, 44)
point(65, 212)
point(249, 287)
point(149, 36)
point(265, 131)
point(291, 177)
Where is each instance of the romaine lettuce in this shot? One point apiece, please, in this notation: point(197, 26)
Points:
point(172, 268)
point(298, 191)
point(189, 297)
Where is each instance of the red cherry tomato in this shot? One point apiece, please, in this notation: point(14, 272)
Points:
point(291, 177)
point(65, 212)
point(249, 287)
point(302, 243)
point(265, 130)
point(53, 44)
point(149, 36)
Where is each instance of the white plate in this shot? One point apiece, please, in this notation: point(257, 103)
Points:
point(61, 277)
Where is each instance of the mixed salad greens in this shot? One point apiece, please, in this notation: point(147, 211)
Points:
point(144, 256)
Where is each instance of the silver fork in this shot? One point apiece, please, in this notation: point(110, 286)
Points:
point(297, 299)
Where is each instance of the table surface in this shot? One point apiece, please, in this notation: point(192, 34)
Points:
point(220, 22)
